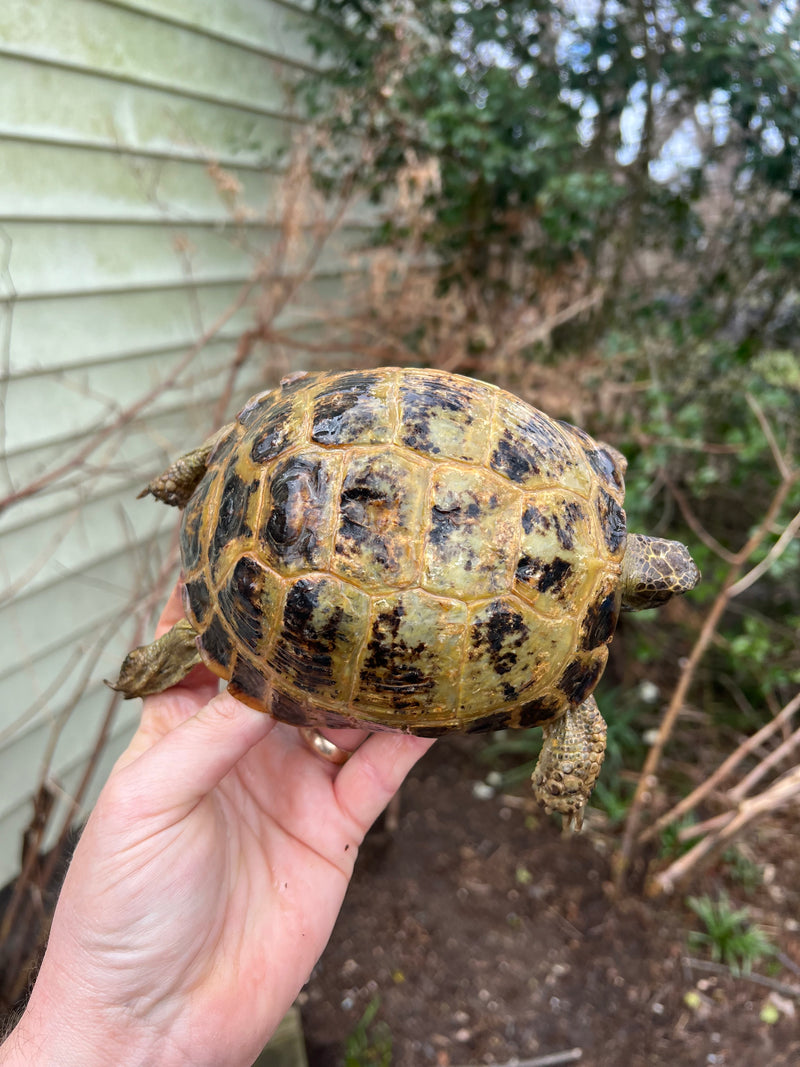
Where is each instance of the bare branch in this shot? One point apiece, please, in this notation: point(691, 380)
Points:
point(694, 523)
point(775, 553)
point(710, 967)
point(764, 767)
point(648, 777)
point(778, 795)
point(722, 772)
point(551, 1059)
point(780, 461)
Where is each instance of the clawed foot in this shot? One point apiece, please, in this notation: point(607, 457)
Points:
point(569, 763)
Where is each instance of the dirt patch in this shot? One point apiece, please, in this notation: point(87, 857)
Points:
point(487, 936)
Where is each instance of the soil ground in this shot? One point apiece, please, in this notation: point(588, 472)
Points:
point(488, 937)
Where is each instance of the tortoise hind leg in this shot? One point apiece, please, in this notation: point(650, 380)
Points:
point(153, 668)
point(176, 485)
point(570, 761)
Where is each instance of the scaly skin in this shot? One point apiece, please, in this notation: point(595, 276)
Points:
point(654, 571)
point(177, 483)
point(570, 762)
point(155, 667)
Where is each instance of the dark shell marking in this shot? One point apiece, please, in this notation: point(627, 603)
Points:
point(612, 521)
point(232, 516)
point(298, 513)
point(407, 550)
point(442, 419)
point(580, 678)
point(273, 434)
point(249, 685)
point(600, 620)
point(197, 600)
point(380, 500)
point(353, 411)
point(216, 644)
point(604, 465)
point(316, 633)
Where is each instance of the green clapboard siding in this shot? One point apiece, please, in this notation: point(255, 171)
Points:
point(139, 168)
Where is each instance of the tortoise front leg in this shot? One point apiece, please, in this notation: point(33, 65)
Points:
point(570, 761)
point(153, 668)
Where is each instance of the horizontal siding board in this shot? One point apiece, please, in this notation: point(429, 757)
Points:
point(279, 28)
point(39, 551)
point(108, 522)
point(33, 690)
point(91, 530)
point(171, 429)
point(57, 661)
point(66, 181)
point(106, 328)
point(26, 748)
point(126, 44)
point(148, 445)
point(101, 328)
point(39, 100)
point(85, 595)
point(85, 401)
point(63, 258)
point(228, 337)
point(128, 476)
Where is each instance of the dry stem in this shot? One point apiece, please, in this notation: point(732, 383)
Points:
point(688, 803)
point(732, 586)
point(777, 796)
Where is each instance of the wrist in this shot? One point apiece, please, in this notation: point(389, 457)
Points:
point(60, 1028)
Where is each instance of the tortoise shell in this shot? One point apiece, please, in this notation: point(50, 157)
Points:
point(404, 549)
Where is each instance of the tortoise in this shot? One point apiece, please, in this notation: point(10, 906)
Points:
point(409, 549)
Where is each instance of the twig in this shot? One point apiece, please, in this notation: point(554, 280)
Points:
point(780, 461)
point(774, 553)
point(694, 524)
point(711, 448)
point(648, 777)
point(292, 282)
point(721, 773)
point(155, 592)
point(709, 966)
point(41, 701)
point(552, 1059)
point(776, 796)
point(781, 752)
point(525, 336)
point(28, 901)
point(689, 833)
point(32, 865)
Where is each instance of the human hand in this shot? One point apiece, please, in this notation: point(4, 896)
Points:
point(205, 885)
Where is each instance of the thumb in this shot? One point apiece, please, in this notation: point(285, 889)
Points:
point(187, 763)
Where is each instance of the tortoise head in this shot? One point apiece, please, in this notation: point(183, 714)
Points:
point(653, 570)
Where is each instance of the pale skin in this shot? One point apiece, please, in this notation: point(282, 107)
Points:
point(204, 887)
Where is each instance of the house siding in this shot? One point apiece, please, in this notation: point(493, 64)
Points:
point(139, 166)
